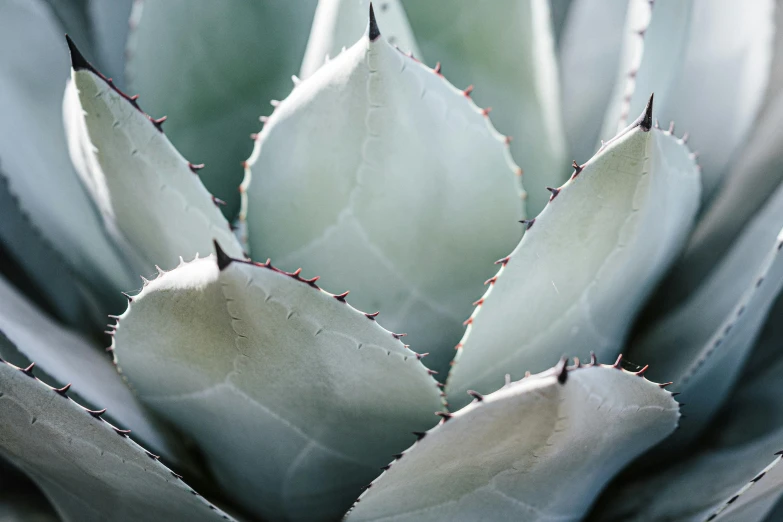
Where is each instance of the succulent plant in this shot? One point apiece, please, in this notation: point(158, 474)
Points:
point(260, 392)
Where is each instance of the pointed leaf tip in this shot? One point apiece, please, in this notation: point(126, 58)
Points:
point(645, 120)
point(223, 259)
point(375, 33)
point(78, 61)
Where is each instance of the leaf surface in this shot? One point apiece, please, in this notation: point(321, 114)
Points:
point(85, 467)
point(34, 152)
point(408, 194)
point(539, 449)
point(702, 344)
point(213, 67)
point(295, 398)
point(70, 358)
point(587, 262)
point(506, 49)
point(339, 23)
point(149, 196)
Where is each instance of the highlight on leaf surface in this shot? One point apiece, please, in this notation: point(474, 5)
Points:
point(538, 449)
point(295, 398)
point(587, 262)
point(407, 193)
point(148, 194)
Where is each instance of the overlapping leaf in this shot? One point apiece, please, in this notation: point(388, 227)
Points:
point(34, 157)
point(506, 49)
point(587, 262)
point(407, 192)
point(295, 398)
point(87, 468)
point(339, 23)
point(149, 195)
point(539, 449)
point(213, 67)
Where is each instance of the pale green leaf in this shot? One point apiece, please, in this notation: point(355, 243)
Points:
point(506, 49)
point(702, 344)
point(69, 358)
point(294, 397)
point(655, 37)
point(586, 264)
point(339, 23)
point(755, 173)
point(212, 67)
point(740, 443)
point(407, 193)
point(723, 52)
point(539, 449)
point(33, 150)
point(588, 69)
point(148, 194)
point(85, 467)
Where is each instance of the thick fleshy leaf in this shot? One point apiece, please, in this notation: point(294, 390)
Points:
point(88, 469)
point(111, 24)
point(34, 154)
point(702, 344)
point(728, 460)
point(721, 75)
point(588, 68)
point(339, 23)
point(655, 36)
point(752, 179)
point(506, 49)
point(149, 195)
point(408, 194)
point(70, 359)
point(213, 67)
point(587, 262)
point(295, 398)
point(539, 449)
point(57, 287)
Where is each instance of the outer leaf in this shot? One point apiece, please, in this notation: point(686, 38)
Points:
point(212, 67)
point(751, 181)
point(724, 58)
point(587, 263)
point(20, 498)
point(294, 397)
point(69, 358)
point(416, 231)
point(339, 23)
point(655, 36)
point(702, 344)
point(87, 469)
point(57, 287)
point(538, 449)
point(728, 460)
point(147, 192)
point(505, 48)
point(33, 148)
point(110, 22)
point(588, 67)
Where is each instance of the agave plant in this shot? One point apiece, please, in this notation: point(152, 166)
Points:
point(279, 396)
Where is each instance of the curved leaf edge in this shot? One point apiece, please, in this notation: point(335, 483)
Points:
point(80, 63)
point(561, 371)
point(124, 433)
point(223, 260)
point(372, 30)
point(645, 121)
